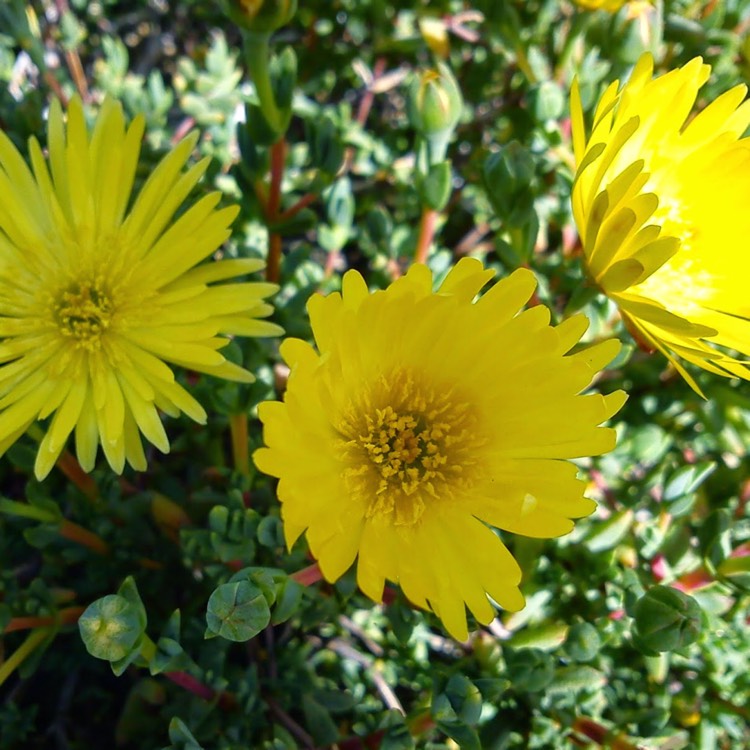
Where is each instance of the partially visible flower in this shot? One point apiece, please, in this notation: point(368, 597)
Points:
point(264, 16)
point(660, 201)
point(609, 5)
point(435, 33)
point(98, 296)
point(422, 421)
point(635, 7)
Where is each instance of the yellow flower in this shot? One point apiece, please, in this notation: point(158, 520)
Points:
point(635, 7)
point(97, 296)
point(660, 204)
point(609, 5)
point(422, 420)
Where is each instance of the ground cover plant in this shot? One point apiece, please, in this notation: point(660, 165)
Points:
point(373, 374)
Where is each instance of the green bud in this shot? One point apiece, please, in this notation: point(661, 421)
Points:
point(112, 628)
point(264, 16)
point(435, 102)
point(666, 620)
point(508, 177)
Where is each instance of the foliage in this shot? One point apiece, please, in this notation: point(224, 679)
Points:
point(635, 630)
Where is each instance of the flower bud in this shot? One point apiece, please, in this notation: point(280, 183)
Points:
point(264, 16)
point(666, 620)
point(435, 102)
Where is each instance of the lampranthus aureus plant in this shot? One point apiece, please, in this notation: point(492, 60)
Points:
point(425, 419)
point(97, 299)
point(660, 203)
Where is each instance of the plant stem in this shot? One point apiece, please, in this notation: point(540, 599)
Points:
point(189, 683)
point(293, 210)
point(76, 533)
point(273, 266)
point(278, 157)
point(426, 234)
point(70, 467)
point(307, 576)
point(240, 450)
point(66, 616)
point(257, 54)
point(33, 640)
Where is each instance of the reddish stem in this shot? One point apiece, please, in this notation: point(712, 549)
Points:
point(69, 466)
point(278, 158)
point(196, 687)
point(426, 234)
point(309, 575)
point(293, 210)
point(79, 535)
point(363, 111)
point(273, 266)
point(66, 616)
point(189, 683)
point(182, 129)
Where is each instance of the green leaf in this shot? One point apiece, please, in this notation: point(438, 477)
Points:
point(181, 737)
point(665, 620)
point(288, 599)
point(319, 722)
point(113, 627)
point(529, 669)
point(583, 642)
point(465, 736)
point(574, 679)
point(465, 698)
point(608, 534)
point(237, 611)
point(436, 186)
point(397, 735)
point(687, 479)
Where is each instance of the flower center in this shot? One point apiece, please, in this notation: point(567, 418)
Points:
point(406, 445)
point(83, 312)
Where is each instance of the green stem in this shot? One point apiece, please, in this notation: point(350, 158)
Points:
point(33, 640)
point(257, 55)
